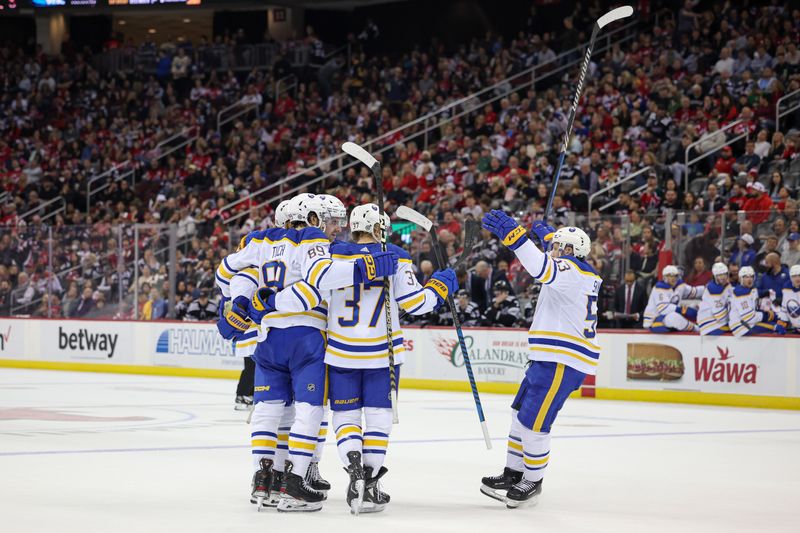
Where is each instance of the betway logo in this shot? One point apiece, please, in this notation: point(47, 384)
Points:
point(85, 341)
point(723, 370)
point(191, 341)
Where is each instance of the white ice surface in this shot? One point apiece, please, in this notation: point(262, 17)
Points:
point(177, 459)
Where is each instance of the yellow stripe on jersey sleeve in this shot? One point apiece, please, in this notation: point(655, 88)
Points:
point(413, 302)
point(548, 272)
point(316, 271)
point(311, 298)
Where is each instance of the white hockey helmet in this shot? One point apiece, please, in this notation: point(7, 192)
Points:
point(670, 270)
point(575, 237)
point(795, 270)
point(747, 272)
point(336, 212)
point(282, 213)
point(719, 269)
point(365, 217)
point(303, 206)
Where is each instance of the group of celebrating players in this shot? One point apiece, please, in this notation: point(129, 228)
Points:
point(740, 309)
point(311, 312)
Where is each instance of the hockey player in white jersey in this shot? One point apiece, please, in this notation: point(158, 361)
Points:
point(664, 312)
point(712, 315)
point(357, 354)
point(290, 360)
point(790, 304)
point(745, 316)
point(563, 349)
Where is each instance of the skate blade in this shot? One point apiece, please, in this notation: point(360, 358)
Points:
point(240, 407)
point(293, 505)
point(369, 507)
point(493, 494)
point(358, 502)
point(514, 504)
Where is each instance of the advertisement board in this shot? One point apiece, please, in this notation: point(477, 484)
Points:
point(190, 345)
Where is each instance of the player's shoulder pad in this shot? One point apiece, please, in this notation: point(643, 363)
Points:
point(260, 235)
point(583, 266)
point(310, 234)
point(714, 288)
point(348, 248)
point(400, 251)
point(741, 290)
point(663, 285)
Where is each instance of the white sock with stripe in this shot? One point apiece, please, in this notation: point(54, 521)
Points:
point(378, 423)
point(303, 436)
point(264, 434)
point(514, 446)
point(323, 434)
point(282, 453)
point(536, 453)
point(348, 433)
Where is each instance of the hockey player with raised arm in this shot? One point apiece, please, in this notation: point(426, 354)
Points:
point(664, 312)
point(790, 304)
point(290, 355)
point(712, 315)
point(357, 354)
point(745, 317)
point(563, 349)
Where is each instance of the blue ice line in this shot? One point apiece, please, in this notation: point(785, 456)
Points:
point(421, 441)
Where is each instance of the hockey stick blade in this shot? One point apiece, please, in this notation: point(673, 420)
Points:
point(406, 213)
point(472, 229)
point(615, 14)
point(359, 153)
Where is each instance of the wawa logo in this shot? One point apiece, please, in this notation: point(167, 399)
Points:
point(5, 338)
point(723, 370)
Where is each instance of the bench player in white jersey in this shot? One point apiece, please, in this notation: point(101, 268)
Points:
point(745, 316)
point(563, 349)
point(357, 355)
point(712, 315)
point(790, 304)
point(290, 359)
point(664, 312)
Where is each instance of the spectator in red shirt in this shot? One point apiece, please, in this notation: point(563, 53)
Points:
point(700, 275)
point(725, 163)
point(758, 203)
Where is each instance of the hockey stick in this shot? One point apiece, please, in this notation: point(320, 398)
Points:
point(365, 157)
point(425, 223)
point(608, 18)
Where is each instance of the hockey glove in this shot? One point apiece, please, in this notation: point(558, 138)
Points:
point(544, 232)
point(235, 321)
point(506, 228)
point(442, 283)
point(224, 306)
point(263, 302)
point(376, 265)
point(780, 329)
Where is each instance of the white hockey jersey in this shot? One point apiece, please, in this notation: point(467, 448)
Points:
point(245, 283)
point(790, 305)
point(285, 260)
point(665, 299)
point(744, 312)
point(357, 314)
point(565, 321)
point(713, 311)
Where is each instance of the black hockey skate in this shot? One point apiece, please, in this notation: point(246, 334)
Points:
point(314, 479)
point(243, 403)
point(357, 486)
point(497, 486)
point(297, 495)
point(523, 493)
point(262, 484)
point(275, 492)
point(374, 499)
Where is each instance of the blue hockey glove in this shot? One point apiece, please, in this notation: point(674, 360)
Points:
point(442, 283)
point(234, 321)
point(263, 302)
point(224, 306)
point(506, 228)
point(376, 265)
point(544, 232)
point(780, 329)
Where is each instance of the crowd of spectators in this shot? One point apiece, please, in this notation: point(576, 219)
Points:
point(645, 102)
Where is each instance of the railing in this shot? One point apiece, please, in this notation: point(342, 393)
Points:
point(90, 191)
point(239, 108)
point(722, 131)
point(780, 114)
point(286, 84)
point(434, 120)
point(38, 209)
point(613, 186)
